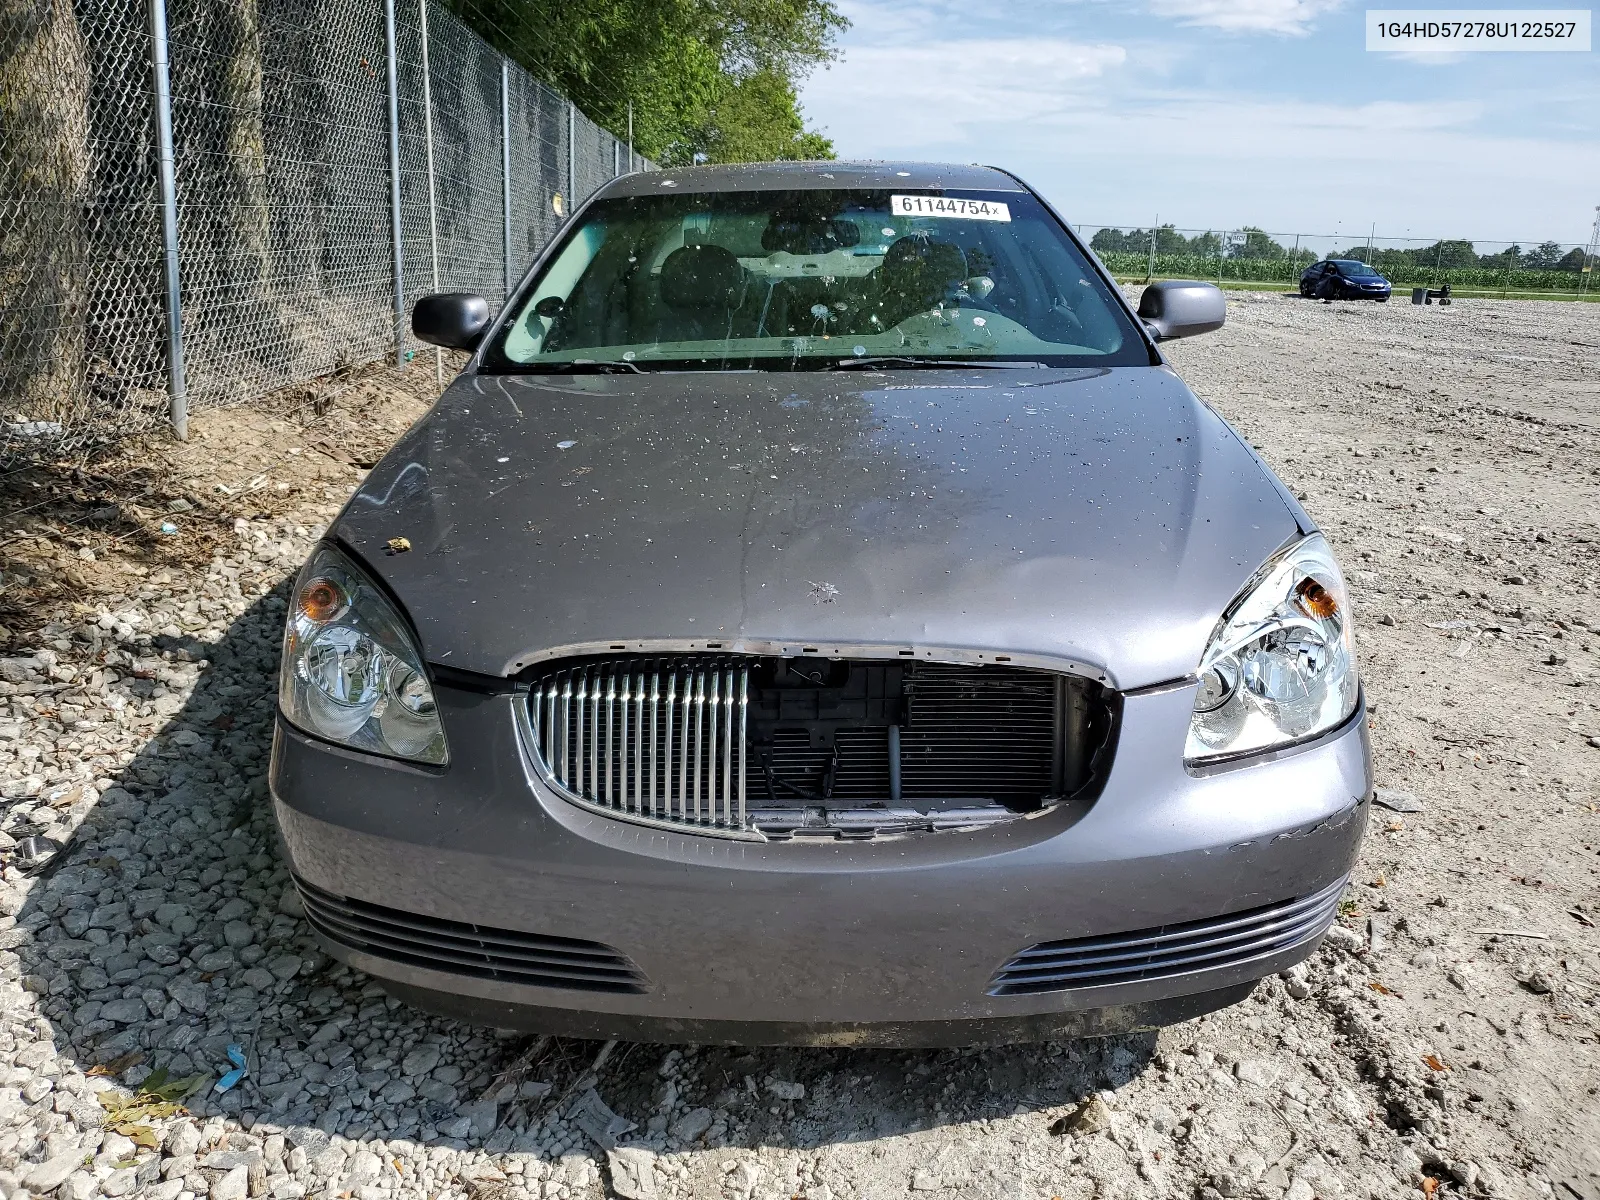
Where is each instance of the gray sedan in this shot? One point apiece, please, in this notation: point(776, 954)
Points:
point(819, 615)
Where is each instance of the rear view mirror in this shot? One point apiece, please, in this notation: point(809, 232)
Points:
point(454, 320)
point(1175, 308)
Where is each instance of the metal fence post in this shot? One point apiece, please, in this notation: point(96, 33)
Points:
point(396, 241)
point(572, 156)
point(177, 385)
point(630, 137)
point(505, 164)
point(433, 198)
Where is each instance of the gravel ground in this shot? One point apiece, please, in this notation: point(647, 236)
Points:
point(1442, 1040)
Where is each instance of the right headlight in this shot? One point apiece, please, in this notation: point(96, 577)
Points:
point(1281, 665)
point(351, 671)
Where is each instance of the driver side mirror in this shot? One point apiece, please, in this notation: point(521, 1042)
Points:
point(1176, 308)
point(454, 320)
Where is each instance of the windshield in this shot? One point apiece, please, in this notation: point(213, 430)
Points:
point(1356, 268)
point(804, 279)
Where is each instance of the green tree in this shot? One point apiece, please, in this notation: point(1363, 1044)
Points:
point(757, 119)
point(1572, 260)
point(1258, 245)
point(703, 77)
point(1544, 256)
point(1457, 254)
point(1511, 256)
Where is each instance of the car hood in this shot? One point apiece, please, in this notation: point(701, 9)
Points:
point(1096, 519)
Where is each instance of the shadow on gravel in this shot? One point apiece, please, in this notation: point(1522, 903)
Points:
point(167, 931)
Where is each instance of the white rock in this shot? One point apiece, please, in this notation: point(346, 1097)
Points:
point(633, 1174)
point(234, 1185)
point(1256, 1071)
point(1345, 939)
point(119, 1183)
point(48, 1176)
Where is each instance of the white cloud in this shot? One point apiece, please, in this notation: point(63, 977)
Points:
point(934, 93)
point(1293, 17)
point(1115, 126)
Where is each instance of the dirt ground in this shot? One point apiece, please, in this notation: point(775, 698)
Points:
point(1444, 1040)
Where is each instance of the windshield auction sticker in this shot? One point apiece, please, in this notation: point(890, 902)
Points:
point(949, 206)
point(1451, 31)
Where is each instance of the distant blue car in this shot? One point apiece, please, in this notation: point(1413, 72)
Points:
point(1343, 279)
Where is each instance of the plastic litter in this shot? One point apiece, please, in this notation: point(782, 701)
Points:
point(34, 854)
point(592, 1115)
point(232, 1078)
point(167, 527)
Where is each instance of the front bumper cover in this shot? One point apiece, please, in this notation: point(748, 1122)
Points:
point(887, 942)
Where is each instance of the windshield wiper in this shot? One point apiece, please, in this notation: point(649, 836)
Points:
point(591, 367)
point(898, 360)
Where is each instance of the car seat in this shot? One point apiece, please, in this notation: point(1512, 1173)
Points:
point(701, 288)
point(917, 273)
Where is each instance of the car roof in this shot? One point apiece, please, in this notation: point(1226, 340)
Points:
point(794, 176)
point(1354, 262)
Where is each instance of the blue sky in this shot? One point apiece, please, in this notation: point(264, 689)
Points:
point(1218, 113)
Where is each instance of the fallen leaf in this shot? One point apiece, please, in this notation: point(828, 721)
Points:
point(1378, 882)
point(68, 800)
point(1434, 1062)
point(1430, 1185)
point(1378, 987)
point(399, 545)
point(117, 1065)
point(1395, 826)
point(142, 1135)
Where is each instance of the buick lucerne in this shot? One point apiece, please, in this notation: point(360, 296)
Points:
point(819, 614)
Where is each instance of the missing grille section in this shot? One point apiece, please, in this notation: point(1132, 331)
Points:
point(812, 747)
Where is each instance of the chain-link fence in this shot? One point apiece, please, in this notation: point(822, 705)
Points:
point(1245, 255)
point(332, 160)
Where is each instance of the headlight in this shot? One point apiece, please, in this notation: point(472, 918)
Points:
point(1281, 666)
point(351, 672)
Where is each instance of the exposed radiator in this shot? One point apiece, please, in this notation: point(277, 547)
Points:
point(749, 746)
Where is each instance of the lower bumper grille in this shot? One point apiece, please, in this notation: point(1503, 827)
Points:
point(1168, 949)
point(464, 949)
point(748, 746)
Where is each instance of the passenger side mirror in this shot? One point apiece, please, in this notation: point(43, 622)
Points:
point(1175, 308)
point(454, 320)
point(550, 307)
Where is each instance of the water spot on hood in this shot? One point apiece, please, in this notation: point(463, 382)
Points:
point(566, 445)
point(823, 593)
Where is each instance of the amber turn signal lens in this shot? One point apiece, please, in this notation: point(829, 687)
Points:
point(1315, 600)
point(322, 600)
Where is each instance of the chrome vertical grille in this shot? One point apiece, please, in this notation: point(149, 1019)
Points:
point(652, 739)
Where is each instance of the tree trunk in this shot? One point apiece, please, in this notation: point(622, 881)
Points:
point(239, 43)
point(44, 172)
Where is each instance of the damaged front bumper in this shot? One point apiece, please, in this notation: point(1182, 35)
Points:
point(477, 890)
